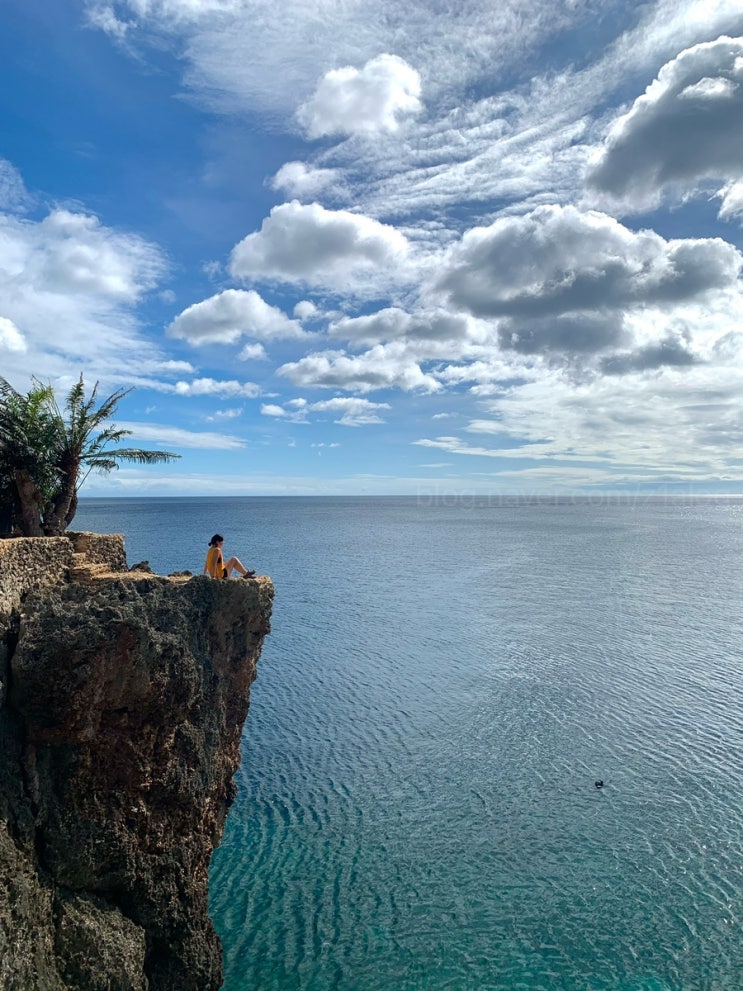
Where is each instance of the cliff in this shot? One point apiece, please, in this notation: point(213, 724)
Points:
point(122, 700)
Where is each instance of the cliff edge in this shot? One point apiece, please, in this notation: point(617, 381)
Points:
point(122, 700)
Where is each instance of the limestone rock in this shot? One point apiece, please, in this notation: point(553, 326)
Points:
point(122, 700)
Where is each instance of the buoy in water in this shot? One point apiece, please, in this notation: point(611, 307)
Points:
point(599, 784)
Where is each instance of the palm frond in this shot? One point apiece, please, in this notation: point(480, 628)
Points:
point(144, 457)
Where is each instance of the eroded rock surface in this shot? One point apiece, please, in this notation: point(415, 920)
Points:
point(122, 700)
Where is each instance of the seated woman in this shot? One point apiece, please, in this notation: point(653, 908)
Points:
point(217, 567)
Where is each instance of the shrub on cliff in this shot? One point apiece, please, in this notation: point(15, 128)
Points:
point(47, 451)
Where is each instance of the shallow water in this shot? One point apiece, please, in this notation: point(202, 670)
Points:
point(443, 686)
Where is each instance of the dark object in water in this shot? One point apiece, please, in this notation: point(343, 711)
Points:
point(599, 784)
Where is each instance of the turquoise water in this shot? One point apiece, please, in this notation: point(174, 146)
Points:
point(443, 686)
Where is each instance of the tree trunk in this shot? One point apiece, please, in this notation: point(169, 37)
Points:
point(29, 499)
point(64, 505)
point(72, 510)
point(56, 521)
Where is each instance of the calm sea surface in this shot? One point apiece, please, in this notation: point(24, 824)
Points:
point(443, 685)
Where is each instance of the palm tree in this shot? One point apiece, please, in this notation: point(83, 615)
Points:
point(63, 444)
point(29, 438)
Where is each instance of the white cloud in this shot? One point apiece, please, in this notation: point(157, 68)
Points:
point(560, 260)
point(253, 352)
point(213, 387)
point(302, 181)
point(382, 367)
point(351, 411)
point(393, 323)
point(224, 318)
point(363, 101)
point(687, 127)
point(306, 310)
point(660, 425)
point(72, 284)
point(168, 436)
point(732, 200)
point(169, 367)
point(11, 339)
point(247, 54)
point(384, 325)
point(529, 141)
point(564, 280)
point(571, 306)
point(73, 253)
point(307, 243)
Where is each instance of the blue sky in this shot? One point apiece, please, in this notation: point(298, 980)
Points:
point(358, 246)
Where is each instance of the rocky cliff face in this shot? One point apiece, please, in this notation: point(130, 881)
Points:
point(122, 701)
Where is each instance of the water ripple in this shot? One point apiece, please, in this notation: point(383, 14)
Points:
point(417, 807)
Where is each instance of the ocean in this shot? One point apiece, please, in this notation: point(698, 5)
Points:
point(445, 683)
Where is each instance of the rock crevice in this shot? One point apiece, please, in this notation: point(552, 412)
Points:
point(122, 701)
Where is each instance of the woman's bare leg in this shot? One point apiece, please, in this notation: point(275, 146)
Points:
point(234, 564)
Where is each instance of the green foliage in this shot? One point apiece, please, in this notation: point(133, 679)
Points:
point(29, 432)
point(47, 451)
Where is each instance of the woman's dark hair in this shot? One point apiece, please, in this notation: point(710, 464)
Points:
point(216, 539)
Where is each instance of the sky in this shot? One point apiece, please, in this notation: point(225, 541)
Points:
point(439, 248)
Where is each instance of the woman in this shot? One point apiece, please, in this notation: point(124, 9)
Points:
point(215, 565)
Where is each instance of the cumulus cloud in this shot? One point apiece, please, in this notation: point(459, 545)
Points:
point(224, 318)
point(561, 280)
point(307, 243)
point(253, 352)
point(688, 126)
point(72, 285)
point(385, 325)
point(559, 260)
point(306, 310)
point(362, 101)
point(382, 367)
point(74, 253)
point(213, 387)
point(394, 323)
point(302, 181)
point(11, 339)
point(352, 411)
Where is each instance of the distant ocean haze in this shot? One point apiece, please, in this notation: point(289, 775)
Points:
point(444, 684)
